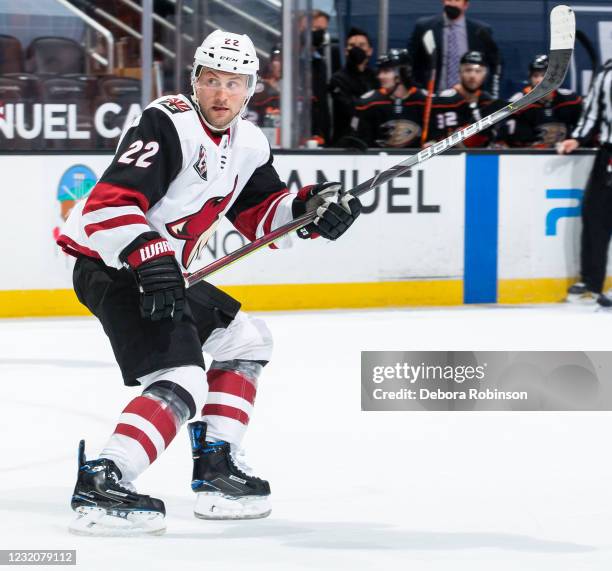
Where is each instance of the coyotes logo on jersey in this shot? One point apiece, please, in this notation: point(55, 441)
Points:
point(175, 105)
point(196, 229)
point(200, 165)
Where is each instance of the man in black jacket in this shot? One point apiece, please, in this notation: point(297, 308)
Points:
point(454, 35)
point(348, 84)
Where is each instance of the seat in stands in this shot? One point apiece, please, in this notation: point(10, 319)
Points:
point(15, 100)
point(71, 91)
point(55, 55)
point(13, 90)
point(90, 82)
point(123, 91)
point(29, 82)
point(125, 88)
point(11, 54)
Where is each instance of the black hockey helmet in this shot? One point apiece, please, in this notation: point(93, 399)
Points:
point(474, 58)
point(539, 63)
point(397, 59)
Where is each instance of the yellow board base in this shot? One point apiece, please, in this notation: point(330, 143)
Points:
point(536, 290)
point(63, 302)
point(47, 303)
point(40, 303)
point(348, 295)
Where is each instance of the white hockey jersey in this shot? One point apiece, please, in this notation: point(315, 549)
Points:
point(172, 175)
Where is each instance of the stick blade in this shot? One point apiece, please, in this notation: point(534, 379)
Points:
point(562, 28)
point(562, 38)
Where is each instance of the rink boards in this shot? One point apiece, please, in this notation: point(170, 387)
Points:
point(463, 228)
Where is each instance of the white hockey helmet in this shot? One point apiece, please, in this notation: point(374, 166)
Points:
point(228, 52)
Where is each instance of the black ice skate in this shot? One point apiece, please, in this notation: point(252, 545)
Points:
point(579, 293)
point(106, 507)
point(225, 489)
point(604, 302)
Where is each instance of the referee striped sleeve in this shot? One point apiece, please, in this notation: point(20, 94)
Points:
point(606, 95)
point(597, 112)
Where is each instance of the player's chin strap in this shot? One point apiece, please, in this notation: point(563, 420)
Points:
point(397, 84)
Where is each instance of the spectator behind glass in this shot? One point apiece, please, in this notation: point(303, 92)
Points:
point(454, 35)
point(321, 122)
point(546, 122)
point(464, 104)
point(393, 115)
point(264, 107)
point(348, 84)
point(320, 20)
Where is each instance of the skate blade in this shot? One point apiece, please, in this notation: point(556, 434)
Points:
point(581, 299)
point(218, 506)
point(96, 522)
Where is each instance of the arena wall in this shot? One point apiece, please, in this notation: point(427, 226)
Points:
point(478, 227)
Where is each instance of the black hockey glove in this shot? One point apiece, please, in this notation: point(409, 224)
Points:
point(333, 218)
point(159, 278)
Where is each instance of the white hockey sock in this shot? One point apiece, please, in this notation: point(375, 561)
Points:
point(232, 387)
point(145, 428)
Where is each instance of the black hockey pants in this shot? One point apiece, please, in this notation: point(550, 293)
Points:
point(597, 222)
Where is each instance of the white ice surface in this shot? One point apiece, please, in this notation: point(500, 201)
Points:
point(351, 490)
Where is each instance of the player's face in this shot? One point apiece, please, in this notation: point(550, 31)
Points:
point(472, 76)
point(220, 95)
point(387, 78)
point(536, 77)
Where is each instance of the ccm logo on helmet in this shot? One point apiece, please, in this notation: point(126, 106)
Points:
point(229, 58)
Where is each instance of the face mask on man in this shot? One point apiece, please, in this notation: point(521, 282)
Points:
point(452, 12)
point(318, 38)
point(356, 55)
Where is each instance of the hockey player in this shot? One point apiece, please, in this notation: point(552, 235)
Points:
point(547, 122)
point(393, 115)
point(264, 107)
point(184, 163)
point(465, 103)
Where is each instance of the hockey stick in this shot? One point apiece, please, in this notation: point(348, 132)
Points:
point(562, 34)
point(429, 43)
point(590, 49)
point(496, 64)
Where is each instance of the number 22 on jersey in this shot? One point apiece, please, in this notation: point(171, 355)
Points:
point(150, 148)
